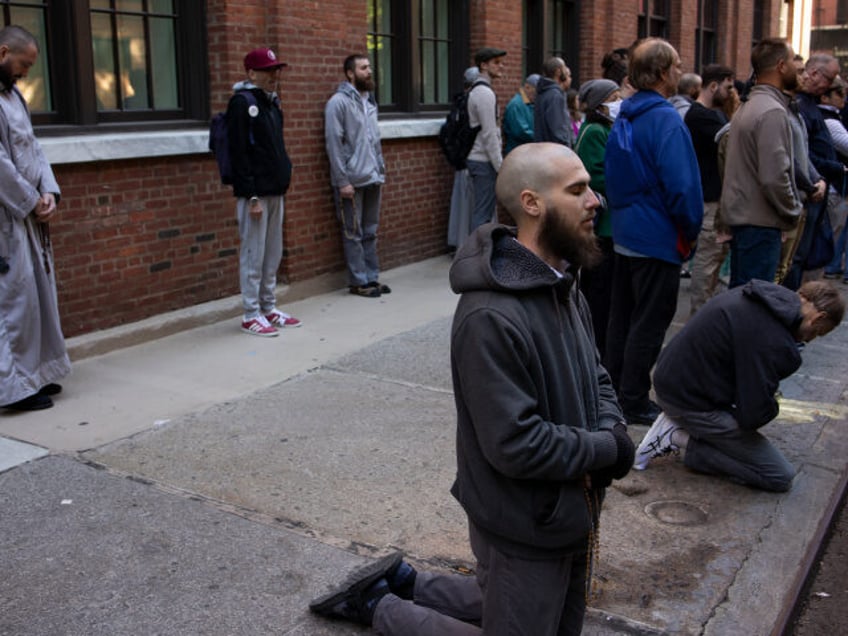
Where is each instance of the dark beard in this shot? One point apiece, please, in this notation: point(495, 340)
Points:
point(568, 243)
point(6, 76)
point(790, 83)
point(363, 85)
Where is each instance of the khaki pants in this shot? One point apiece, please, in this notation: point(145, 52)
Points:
point(707, 261)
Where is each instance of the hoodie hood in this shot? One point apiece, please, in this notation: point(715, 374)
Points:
point(349, 90)
point(491, 259)
point(247, 85)
point(642, 102)
point(783, 303)
point(546, 84)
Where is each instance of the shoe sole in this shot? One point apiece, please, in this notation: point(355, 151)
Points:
point(356, 581)
point(257, 333)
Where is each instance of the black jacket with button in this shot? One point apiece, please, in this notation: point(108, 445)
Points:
point(261, 167)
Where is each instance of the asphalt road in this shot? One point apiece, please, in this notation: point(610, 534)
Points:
point(824, 608)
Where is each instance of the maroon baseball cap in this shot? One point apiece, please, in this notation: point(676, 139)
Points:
point(262, 60)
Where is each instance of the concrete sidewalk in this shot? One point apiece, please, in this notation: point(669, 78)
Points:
point(210, 482)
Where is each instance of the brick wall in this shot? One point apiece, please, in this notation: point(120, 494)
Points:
point(139, 237)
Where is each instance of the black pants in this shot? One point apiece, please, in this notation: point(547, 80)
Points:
point(644, 300)
point(596, 285)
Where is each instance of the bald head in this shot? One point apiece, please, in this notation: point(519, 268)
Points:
point(530, 167)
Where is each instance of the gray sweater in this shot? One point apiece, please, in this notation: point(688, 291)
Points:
point(759, 177)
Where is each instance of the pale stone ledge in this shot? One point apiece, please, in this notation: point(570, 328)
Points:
point(169, 143)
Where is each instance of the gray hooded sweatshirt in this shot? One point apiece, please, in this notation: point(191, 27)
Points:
point(352, 138)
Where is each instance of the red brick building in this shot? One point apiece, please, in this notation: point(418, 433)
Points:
point(124, 90)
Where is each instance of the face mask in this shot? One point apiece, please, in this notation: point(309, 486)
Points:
point(613, 108)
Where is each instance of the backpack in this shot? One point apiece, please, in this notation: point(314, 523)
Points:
point(456, 136)
point(219, 142)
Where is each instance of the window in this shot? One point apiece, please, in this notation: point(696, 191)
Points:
point(563, 35)
point(705, 33)
point(653, 18)
point(550, 28)
point(757, 28)
point(126, 59)
point(418, 50)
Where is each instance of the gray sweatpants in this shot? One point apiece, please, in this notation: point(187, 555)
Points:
point(510, 596)
point(260, 252)
point(717, 446)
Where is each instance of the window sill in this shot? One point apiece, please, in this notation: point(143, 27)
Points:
point(168, 143)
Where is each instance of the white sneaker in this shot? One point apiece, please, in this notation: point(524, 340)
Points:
point(657, 441)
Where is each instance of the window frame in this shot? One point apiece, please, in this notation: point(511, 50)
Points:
point(648, 20)
point(706, 35)
point(539, 35)
point(407, 65)
point(70, 62)
point(569, 33)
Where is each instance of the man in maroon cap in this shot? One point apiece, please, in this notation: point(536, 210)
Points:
point(261, 171)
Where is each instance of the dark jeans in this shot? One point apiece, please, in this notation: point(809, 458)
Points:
point(644, 300)
point(754, 253)
point(483, 177)
point(717, 446)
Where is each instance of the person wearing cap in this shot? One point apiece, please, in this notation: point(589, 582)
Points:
point(596, 97)
point(552, 121)
point(357, 173)
point(518, 115)
point(261, 172)
point(462, 194)
point(484, 160)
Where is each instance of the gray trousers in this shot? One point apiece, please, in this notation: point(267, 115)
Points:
point(359, 218)
point(510, 596)
point(717, 446)
point(260, 253)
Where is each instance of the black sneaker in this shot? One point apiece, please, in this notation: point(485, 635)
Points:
point(356, 598)
point(35, 402)
point(365, 291)
point(643, 417)
point(50, 389)
point(384, 289)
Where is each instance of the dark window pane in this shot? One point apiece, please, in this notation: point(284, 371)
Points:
point(428, 73)
point(129, 5)
point(132, 62)
point(163, 58)
point(105, 73)
point(36, 86)
point(161, 6)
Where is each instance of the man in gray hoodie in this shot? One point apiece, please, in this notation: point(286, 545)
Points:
point(357, 173)
point(539, 431)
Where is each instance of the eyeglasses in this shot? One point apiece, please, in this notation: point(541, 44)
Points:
point(829, 78)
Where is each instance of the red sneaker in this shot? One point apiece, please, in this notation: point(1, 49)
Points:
point(282, 319)
point(259, 326)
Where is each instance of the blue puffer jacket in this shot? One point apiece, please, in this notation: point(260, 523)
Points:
point(653, 183)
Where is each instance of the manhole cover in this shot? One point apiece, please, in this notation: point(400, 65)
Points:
point(677, 513)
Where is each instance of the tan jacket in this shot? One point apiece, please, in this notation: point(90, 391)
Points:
point(759, 177)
